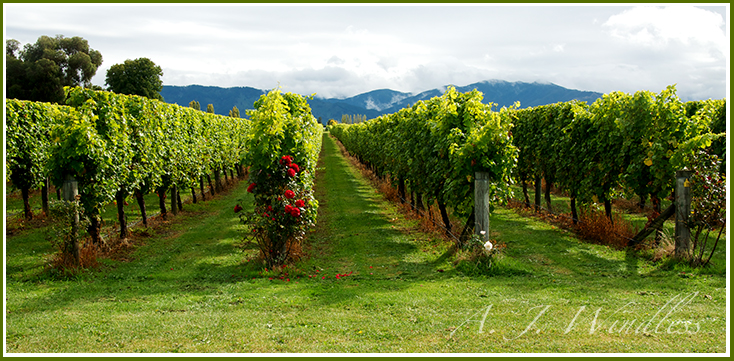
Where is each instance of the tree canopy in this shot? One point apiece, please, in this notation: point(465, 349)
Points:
point(234, 113)
point(136, 77)
point(40, 71)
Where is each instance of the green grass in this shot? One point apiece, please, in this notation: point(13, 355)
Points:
point(194, 287)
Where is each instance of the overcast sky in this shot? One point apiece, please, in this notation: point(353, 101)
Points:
point(341, 51)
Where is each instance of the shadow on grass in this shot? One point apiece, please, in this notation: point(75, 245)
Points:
point(537, 253)
point(549, 249)
point(191, 253)
point(356, 232)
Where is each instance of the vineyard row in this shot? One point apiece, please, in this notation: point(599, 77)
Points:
point(620, 145)
point(117, 145)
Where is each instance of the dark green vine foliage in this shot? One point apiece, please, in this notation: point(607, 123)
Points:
point(116, 145)
point(715, 112)
point(28, 143)
point(94, 149)
point(538, 133)
point(435, 148)
point(620, 145)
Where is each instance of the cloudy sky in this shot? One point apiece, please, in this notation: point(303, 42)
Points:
point(340, 51)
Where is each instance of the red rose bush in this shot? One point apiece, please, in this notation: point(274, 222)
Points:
point(283, 153)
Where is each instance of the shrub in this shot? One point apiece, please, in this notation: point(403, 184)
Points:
point(74, 254)
point(283, 151)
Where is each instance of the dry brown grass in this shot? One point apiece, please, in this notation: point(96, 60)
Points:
point(595, 226)
point(665, 248)
point(66, 264)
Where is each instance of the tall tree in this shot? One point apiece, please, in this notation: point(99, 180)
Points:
point(194, 104)
point(12, 46)
point(234, 113)
point(41, 70)
point(210, 108)
point(137, 77)
point(37, 81)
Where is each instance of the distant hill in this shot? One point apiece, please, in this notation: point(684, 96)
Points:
point(377, 102)
point(223, 99)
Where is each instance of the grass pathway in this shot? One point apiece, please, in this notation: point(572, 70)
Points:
point(192, 287)
point(362, 231)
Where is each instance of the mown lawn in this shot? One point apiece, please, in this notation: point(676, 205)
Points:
point(195, 287)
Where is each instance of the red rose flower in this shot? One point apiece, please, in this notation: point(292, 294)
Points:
point(270, 208)
point(251, 187)
point(237, 208)
point(295, 212)
point(295, 167)
point(289, 194)
point(291, 172)
point(286, 160)
point(300, 203)
point(288, 208)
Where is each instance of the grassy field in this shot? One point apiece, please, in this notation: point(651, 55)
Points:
point(193, 286)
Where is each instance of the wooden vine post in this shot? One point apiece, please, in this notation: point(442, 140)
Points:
point(481, 205)
point(681, 208)
point(682, 211)
point(70, 192)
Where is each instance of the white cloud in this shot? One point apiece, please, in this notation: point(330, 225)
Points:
point(388, 62)
point(335, 60)
point(345, 50)
point(658, 27)
point(678, 44)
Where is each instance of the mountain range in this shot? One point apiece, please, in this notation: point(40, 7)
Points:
point(377, 102)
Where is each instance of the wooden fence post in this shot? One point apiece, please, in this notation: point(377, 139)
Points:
point(682, 211)
point(481, 205)
point(70, 190)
